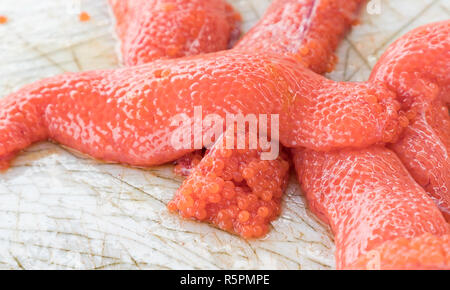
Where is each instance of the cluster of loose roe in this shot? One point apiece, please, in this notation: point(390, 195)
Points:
point(234, 190)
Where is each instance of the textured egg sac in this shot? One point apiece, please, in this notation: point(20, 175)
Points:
point(151, 30)
point(424, 149)
point(368, 198)
point(234, 190)
point(22, 121)
point(417, 68)
point(126, 115)
point(155, 29)
point(310, 30)
point(310, 24)
point(357, 192)
point(426, 252)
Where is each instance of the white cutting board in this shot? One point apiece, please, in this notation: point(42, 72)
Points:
point(61, 211)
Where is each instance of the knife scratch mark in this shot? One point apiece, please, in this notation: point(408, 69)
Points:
point(76, 60)
point(17, 261)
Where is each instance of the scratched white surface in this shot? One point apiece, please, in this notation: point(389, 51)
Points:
point(62, 211)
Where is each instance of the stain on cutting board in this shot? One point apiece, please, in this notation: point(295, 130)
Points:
point(63, 211)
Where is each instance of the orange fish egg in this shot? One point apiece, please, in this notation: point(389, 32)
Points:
point(241, 202)
point(84, 16)
point(3, 19)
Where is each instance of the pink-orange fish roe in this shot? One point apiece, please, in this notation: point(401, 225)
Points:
point(3, 19)
point(234, 190)
point(84, 16)
point(427, 252)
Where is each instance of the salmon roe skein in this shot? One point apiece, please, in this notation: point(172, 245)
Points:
point(424, 149)
point(142, 27)
point(306, 14)
point(417, 68)
point(234, 190)
point(368, 198)
point(310, 30)
point(417, 65)
point(126, 115)
point(426, 252)
point(350, 248)
point(154, 29)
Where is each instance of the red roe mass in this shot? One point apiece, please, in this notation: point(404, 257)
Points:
point(379, 214)
point(234, 190)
